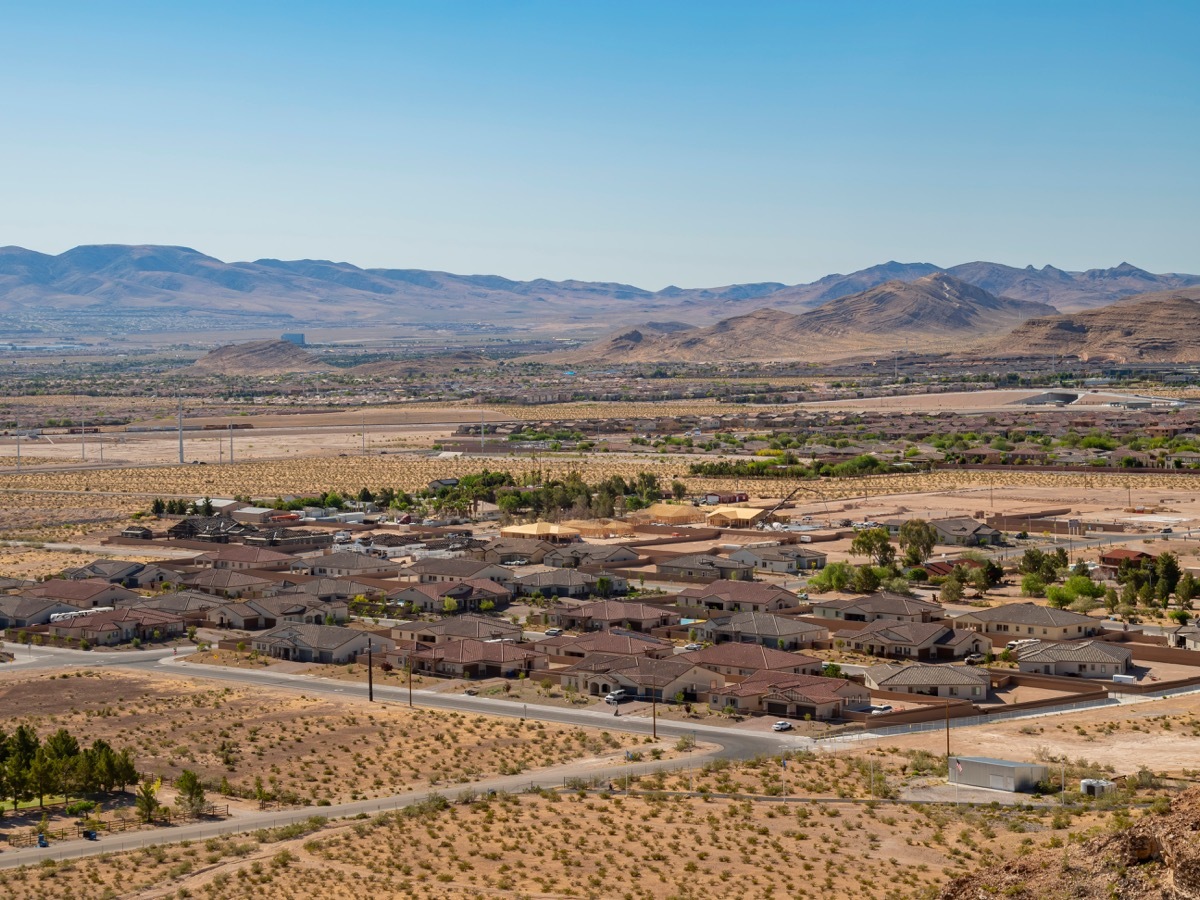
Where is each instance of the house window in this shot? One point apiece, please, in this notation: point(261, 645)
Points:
point(975, 692)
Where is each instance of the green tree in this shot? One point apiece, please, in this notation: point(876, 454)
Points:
point(44, 775)
point(874, 542)
point(832, 670)
point(917, 540)
point(834, 577)
point(1167, 571)
point(146, 800)
point(678, 490)
point(157, 508)
point(952, 590)
point(1032, 585)
point(603, 586)
point(866, 579)
point(1182, 616)
point(1185, 590)
point(449, 605)
point(191, 792)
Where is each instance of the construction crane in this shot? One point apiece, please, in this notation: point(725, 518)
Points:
point(797, 489)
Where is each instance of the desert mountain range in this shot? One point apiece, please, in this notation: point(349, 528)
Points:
point(146, 280)
point(1150, 328)
point(934, 310)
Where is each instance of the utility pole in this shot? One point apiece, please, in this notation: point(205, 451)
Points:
point(948, 735)
point(370, 674)
point(231, 442)
point(410, 667)
point(482, 429)
point(181, 430)
point(83, 439)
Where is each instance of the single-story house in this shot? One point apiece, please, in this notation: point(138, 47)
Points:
point(457, 628)
point(617, 642)
point(914, 640)
point(606, 615)
point(118, 626)
point(704, 565)
point(791, 696)
point(779, 632)
point(737, 596)
point(746, 659)
point(432, 570)
point(644, 677)
point(510, 551)
point(786, 560)
point(880, 605)
point(965, 531)
point(568, 583)
point(471, 658)
point(239, 557)
point(25, 611)
point(318, 643)
point(584, 554)
point(1083, 659)
point(89, 592)
point(345, 564)
point(1026, 620)
point(114, 571)
point(227, 583)
point(452, 596)
point(930, 680)
point(1112, 559)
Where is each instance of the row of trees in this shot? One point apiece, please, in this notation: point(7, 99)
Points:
point(181, 507)
point(789, 466)
point(59, 766)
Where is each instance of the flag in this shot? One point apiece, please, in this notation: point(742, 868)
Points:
point(958, 765)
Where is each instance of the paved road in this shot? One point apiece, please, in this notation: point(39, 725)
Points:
point(731, 744)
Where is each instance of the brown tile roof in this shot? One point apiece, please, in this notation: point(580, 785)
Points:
point(748, 656)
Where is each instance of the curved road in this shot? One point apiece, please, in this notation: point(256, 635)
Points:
point(732, 745)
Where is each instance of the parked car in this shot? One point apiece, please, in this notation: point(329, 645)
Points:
point(782, 725)
point(616, 696)
point(881, 709)
point(553, 632)
point(692, 647)
point(974, 659)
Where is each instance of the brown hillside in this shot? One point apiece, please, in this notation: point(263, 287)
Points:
point(925, 313)
point(1158, 857)
point(1160, 327)
point(259, 358)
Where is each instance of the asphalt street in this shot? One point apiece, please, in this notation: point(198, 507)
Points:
point(731, 744)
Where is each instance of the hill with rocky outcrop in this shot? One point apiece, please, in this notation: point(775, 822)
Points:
point(259, 358)
point(1150, 328)
point(926, 313)
point(1155, 858)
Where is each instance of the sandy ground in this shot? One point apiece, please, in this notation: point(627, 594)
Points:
point(1159, 734)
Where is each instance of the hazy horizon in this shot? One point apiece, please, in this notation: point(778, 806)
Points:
point(692, 144)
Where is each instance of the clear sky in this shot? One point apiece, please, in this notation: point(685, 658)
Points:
point(649, 142)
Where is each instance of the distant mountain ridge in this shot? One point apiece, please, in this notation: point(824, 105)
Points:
point(934, 309)
point(1159, 327)
point(153, 280)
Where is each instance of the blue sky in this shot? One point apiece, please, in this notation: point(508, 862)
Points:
point(651, 143)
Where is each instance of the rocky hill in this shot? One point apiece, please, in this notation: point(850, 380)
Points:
point(1157, 857)
point(126, 289)
point(1158, 328)
point(926, 313)
point(259, 358)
